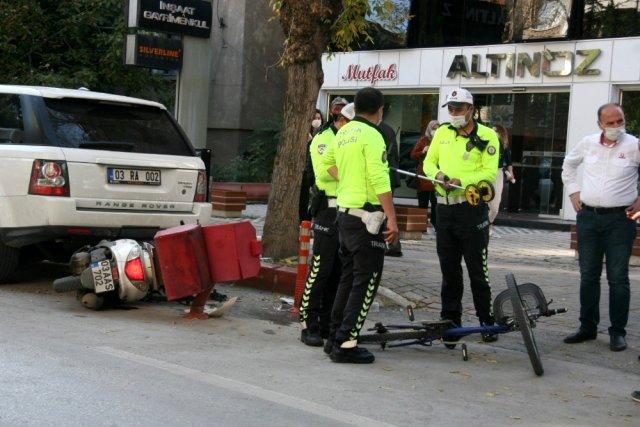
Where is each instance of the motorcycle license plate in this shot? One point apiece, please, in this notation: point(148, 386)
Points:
point(102, 276)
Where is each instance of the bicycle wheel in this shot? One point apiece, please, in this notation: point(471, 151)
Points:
point(393, 336)
point(525, 327)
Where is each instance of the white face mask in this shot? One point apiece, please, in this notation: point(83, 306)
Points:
point(315, 123)
point(459, 121)
point(614, 134)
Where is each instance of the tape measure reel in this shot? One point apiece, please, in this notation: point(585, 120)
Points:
point(482, 192)
point(487, 191)
point(472, 195)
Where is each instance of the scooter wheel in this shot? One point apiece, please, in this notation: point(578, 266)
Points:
point(92, 301)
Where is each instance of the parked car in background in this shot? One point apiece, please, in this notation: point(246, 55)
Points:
point(77, 165)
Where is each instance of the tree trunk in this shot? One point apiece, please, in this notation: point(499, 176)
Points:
point(281, 228)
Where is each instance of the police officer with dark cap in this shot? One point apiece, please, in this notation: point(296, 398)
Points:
point(308, 175)
point(366, 223)
point(324, 273)
point(463, 152)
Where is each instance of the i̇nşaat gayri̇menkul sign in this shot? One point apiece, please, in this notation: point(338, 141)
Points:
point(185, 17)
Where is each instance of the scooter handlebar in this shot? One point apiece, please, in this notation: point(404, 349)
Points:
point(67, 284)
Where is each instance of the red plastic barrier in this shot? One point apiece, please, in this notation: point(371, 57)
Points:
point(233, 251)
point(182, 258)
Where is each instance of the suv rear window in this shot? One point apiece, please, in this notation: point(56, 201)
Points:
point(102, 125)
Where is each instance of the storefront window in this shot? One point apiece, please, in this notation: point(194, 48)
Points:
point(610, 18)
point(456, 22)
point(435, 23)
point(408, 116)
point(537, 125)
point(630, 101)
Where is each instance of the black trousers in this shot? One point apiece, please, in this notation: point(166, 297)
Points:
point(426, 197)
point(463, 231)
point(362, 255)
point(324, 274)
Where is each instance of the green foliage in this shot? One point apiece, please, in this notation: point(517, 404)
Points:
point(256, 163)
point(72, 43)
point(348, 22)
point(357, 18)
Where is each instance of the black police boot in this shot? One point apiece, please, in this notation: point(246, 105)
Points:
point(351, 355)
point(310, 338)
point(451, 340)
point(487, 337)
point(328, 346)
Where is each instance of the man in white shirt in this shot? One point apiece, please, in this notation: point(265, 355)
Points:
point(601, 198)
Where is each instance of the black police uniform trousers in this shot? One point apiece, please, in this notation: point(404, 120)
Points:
point(324, 274)
point(362, 255)
point(463, 231)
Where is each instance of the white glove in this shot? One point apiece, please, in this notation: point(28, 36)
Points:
point(373, 221)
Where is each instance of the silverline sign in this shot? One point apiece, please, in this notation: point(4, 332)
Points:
point(187, 17)
point(550, 63)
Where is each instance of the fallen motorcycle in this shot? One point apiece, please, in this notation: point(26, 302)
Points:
point(182, 264)
point(111, 273)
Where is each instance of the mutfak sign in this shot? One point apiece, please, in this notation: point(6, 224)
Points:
point(186, 17)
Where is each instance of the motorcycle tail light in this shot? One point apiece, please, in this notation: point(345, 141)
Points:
point(133, 268)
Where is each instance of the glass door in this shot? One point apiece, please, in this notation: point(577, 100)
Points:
point(630, 101)
point(408, 115)
point(537, 126)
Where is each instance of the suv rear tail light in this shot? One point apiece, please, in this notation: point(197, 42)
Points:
point(49, 178)
point(201, 188)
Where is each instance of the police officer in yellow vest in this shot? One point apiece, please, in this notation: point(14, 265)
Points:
point(324, 273)
point(463, 152)
point(358, 158)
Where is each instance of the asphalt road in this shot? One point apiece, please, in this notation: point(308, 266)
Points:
point(61, 364)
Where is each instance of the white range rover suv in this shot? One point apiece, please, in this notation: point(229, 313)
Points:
point(77, 166)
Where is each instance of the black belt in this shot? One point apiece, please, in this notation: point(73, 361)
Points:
point(368, 208)
point(604, 210)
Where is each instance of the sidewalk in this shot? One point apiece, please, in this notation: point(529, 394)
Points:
point(539, 256)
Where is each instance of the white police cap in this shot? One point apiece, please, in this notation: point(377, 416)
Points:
point(349, 111)
point(459, 96)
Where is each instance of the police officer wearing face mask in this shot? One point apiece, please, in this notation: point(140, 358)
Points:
point(324, 274)
point(463, 152)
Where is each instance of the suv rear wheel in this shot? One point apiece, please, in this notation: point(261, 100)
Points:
point(8, 262)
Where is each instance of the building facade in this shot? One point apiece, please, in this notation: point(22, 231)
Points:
point(246, 91)
point(545, 92)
